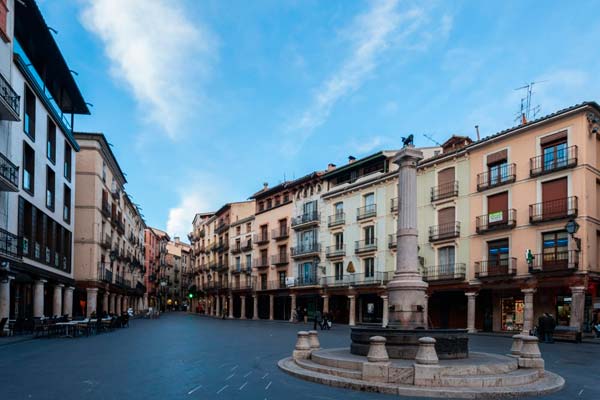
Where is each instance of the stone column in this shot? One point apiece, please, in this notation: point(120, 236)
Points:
point(386, 309)
point(230, 306)
point(407, 289)
point(243, 307)
point(111, 303)
point(68, 301)
point(471, 311)
point(224, 306)
point(271, 307)
point(360, 310)
point(218, 310)
point(57, 300)
point(577, 306)
point(92, 297)
point(38, 298)
point(105, 302)
point(292, 306)
point(146, 301)
point(352, 312)
point(528, 310)
point(5, 300)
point(255, 308)
point(325, 303)
point(119, 304)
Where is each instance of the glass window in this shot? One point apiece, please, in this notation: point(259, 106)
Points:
point(369, 234)
point(339, 271)
point(555, 155)
point(50, 188)
point(29, 118)
point(369, 199)
point(51, 141)
point(338, 208)
point(498, 252)
point(67, 204)
point(446, 256)
point(369, 265)
point(498, 173)
point(339, 241)
point(28, 168)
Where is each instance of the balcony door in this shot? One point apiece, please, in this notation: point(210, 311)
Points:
point(309, 209)
point(446, 260)
point(369, 234)
point(555, 153)
point(555, 250)
point(445, 182)
point(498, 257)
point(339, 241)
point(497, 209)
point(554, 198)
point(446, 220)
point(307, 239)
point(306, 272)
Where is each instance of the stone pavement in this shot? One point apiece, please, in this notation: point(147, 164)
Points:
point(183, 356)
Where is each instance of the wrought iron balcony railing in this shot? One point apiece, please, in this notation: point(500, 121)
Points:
point(561, 159)
point(356, 279)
point(497, 176)
point(261, 238)
point(9, 174)
point(505, 219)
point(280, 233)
point(368, 211)
point(444, 231)
point(335, 251)
point(280, 259)
point(309, 218)
point(363, 246)
point(553, 210)
point(261, 262)
point(306, 249)
point(336, 219)
point(445, 272)
point(553, 261)
point(444, 191)
point(9, 101)
point(10, 245)
point(496, 268)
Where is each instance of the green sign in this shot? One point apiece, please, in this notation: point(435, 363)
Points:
point(495, 217)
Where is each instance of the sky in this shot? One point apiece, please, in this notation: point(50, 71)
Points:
point(203, 101)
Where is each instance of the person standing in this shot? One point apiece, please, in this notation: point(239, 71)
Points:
point(550, 325)
point(318, 320)
point(541, 333)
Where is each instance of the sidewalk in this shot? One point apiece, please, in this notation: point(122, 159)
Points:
point(8, 340)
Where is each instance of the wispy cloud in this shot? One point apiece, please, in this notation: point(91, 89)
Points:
point(369, 36)
point(158, 53)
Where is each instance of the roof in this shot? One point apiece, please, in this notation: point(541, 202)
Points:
point(100, 137)
point(161, 234)
point(286, 185)
point(517, 129)
point(357, 163)
point(36, 40)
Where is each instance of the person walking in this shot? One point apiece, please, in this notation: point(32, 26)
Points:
point(318, 320)
point(550, 325)
point(305, 315)
point(541, 333)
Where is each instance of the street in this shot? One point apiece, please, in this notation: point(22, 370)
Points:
point(184, 356)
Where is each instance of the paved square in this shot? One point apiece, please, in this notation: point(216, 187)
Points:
point(183, 356)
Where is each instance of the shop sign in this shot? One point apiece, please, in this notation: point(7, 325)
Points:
point(495, 217)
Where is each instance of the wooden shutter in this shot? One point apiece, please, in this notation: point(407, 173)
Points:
point(497, 157)
point(554, 198)
point(446, 216)
point(557, 137)
point(498, 202)
point(446, 176)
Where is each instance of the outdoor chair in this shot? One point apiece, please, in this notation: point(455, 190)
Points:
point(85, 327)
point(3, 322)
point(125, 321)
point(40, 327)
point(99, 325)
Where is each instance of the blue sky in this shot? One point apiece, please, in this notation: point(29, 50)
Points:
point(205, 100)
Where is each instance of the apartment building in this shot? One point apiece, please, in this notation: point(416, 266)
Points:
point(177, 261)
point(200, 258)
point(161, 274)
point(37, 216)
point(243, 232)
point(152, 265)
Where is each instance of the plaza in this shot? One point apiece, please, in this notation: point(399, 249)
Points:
point(189, 356)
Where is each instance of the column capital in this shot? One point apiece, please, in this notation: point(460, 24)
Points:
point(59, 285)
point(471, 294)
point(351, 296)
point(325, 296)
point(577, 289)
point(384, 296)
point(70, 288)
point(91, 289)
point(529, 290)
point(41, 281)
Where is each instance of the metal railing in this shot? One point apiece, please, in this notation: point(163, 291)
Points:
point(261, 262)
point(307, 218)
point(261, 238)
point(280, 259)
point(335, 250)
point(9, 95)
point(242, 284)
point(553, 209)
point(104, 274)
point(444, 191)
point(356, 279)
point(368, 211)
point(365, 245)
point(306, 249)
point(445, 272)
point(444, 231)
point(247, 246)
point(336, 219)
point(497, 176)
point(496, 268)
point(9, 171)
point(10, 245)
point(308, 280)
point(236, 248)
point(561, 159)
point(280, 233)
point(566, 260)
point(497, 220)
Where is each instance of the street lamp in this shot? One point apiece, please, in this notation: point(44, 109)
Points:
point(572, 227)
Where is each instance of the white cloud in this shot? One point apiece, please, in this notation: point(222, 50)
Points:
point(158, 53)
point(370, 35)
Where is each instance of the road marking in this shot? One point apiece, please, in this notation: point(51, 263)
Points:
point(580, 392)
point(248, 374)
point(234, 368)
point(268, 385)
point(223, 388)
point(230, 376)
point(244, 385)
point(265, 375)
point(194, 389)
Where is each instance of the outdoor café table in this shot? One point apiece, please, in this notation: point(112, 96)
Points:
point(68, 327)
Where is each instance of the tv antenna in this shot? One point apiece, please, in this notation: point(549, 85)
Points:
point(528, 112)
point(432, 139)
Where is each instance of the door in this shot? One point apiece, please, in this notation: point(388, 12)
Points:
point(554, 199)
point(498, 257)
point(446, 260)
point(445, 183)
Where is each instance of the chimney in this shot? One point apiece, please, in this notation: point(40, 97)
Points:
point(477, 131)
point(265, 185)
point(330, 167)
point(351, 159)
point(523, 119)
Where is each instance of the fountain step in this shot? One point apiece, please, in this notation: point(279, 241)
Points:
point(343, 372)
point(513, 378)
point(478, 364)
point(331, 359)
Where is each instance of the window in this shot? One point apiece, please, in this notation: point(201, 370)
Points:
point(309, 208)
point(339, 241)
point(282, 252)
point(103, 172)
point(369, 265)
point(446, 257)
point(238, 230)
point(248, 261)
point(263, 281)
point(248, 227)
point(283, 227)
point(338, 209)
point(498, 173)
point(339, 271)
point(67, 204)
point(369, 235)
point(67, 164)
point(28, 168)
point(286, 197)
point(555, 154)
point(281, 275)
point(369, 199)
point(269, 203)
point(238, 264)
point(277, 200)
point(498, 252)
point(264, 257)
point(29, 119)
point(51, 141)
point(555, 245)
point(261, 206)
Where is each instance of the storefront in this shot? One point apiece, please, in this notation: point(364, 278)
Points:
point(512, 314)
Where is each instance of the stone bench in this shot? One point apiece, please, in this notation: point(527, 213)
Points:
point(567, 333)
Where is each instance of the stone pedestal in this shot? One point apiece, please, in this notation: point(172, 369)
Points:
point(377, 350)
point(527, 310)
point(302, 349)
point(352, 311)
point(426, 355)
point(255, 306)
point(4, 300)
point(68, 301)
point(577, 307)
point(517, 344)
point(530, 353)
point(471, 296)
point(271, 307)
point(325, 304)
point(92, 297)
point(38, 298)
point(407, 289)
point(386, 311)
point(313, 340)
point(293, 306)
point(243, 307)
point(378, 365)
point(57, 300)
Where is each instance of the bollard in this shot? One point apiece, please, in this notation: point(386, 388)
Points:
point(517, 344)
point(530, 353)
point(302, 349)
point(377, 350)
point(313, 340)
point(426, 354)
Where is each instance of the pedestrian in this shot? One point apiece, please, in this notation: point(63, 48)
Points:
point(541, 333)
point(305, 315)
point(329, 320)
point(224, 312)
point(318, 320)
point(551, 324)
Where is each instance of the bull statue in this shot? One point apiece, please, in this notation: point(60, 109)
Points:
point(408, 141)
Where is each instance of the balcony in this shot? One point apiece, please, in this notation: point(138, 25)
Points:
point(496, 268)
point(242, 284)
point(261, 262)
point(9, 101)
point(279, 234)
point(275, 285)
point(555, 261)
point(280, 259)
point(247, 246)
point(304, 220)
point(306, 250)
point(10, 245)
point(120, 227)
point(336, 219)
point(221, 227)
point(498, 220)
point(394, 206)
point(221, 267)
point(368, 211)
point(212, 266)
point(9, 175)
point(378, 278)
point(444, 191)
point(553, 210)
point(106, 242)
point(261, 238)
point(335, 251)
point(236, 248)
point(306, 280)
point(445, 272)
point(562, 159)
point(104, 274)
point(364, 246)
point(237, 268)
point(392, 241)
point(106, 209)
point(503, 175)
point(444, 231)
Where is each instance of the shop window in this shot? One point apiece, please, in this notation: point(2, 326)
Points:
point(512, 314)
